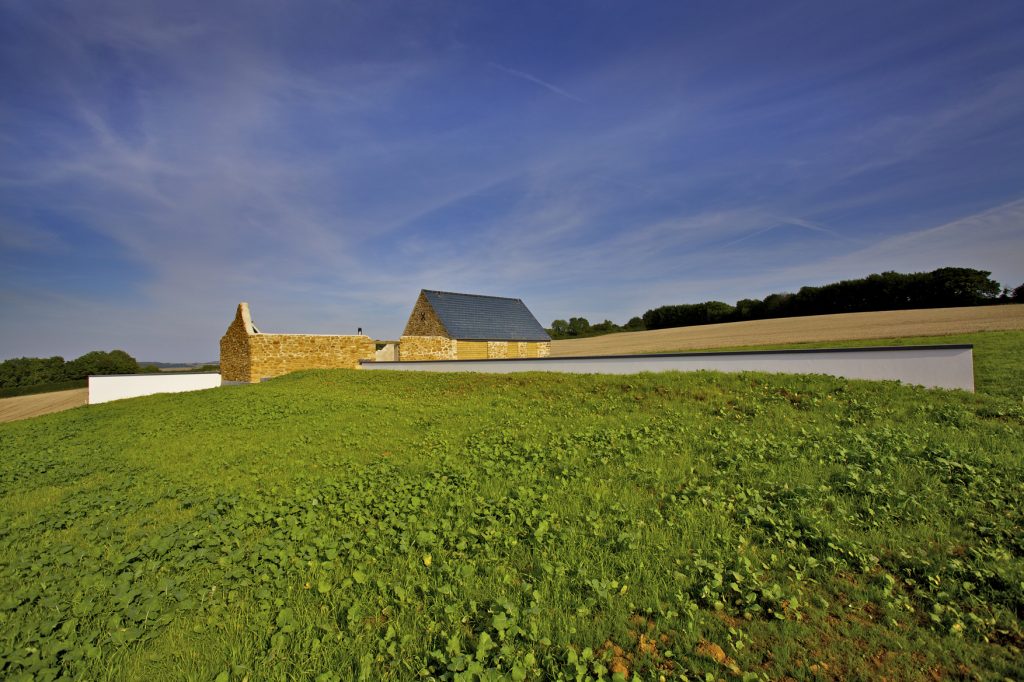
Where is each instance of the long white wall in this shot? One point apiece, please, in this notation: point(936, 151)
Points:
point(931, 366)
point(103, 389)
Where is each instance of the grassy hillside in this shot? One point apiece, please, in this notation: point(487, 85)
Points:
point(371, 525)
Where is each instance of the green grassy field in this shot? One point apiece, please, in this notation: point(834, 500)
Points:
point(344, 525)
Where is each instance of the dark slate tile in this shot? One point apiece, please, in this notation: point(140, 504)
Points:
point(492, 318)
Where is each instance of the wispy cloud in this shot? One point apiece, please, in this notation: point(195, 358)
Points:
point(991, 240)
point(15, 236)
point(794, 222)
point(159, 163)
point(533, 79)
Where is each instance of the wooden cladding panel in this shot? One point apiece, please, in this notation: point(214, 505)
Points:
point(472, 350)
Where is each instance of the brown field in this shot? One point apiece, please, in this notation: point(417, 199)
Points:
point(25, 406)
point(880, 325)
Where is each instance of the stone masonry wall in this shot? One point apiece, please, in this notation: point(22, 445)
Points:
point(235, 362)
point(518, 349)
point(277, 354)
point(423, 321)
point(426, 348)
point(441, 348)
point(246, 355)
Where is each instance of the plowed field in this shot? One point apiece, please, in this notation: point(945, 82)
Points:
point(25, 406)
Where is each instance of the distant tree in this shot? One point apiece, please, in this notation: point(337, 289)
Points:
point(99, 363)
point(889, 291)
point(18, 372)
point(149, 369)
point(578, 326)
point(880, 291)
point(667, 316)
point(717, 311)
point(962, 286)
point(559, 329)
point(776, 305)
point(747, 308)
point(1018, 294)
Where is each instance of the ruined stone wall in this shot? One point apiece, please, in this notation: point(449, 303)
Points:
point(235, 363)
point(276, 354)
point(246, 355)
point(424, 321)
point(426, 348)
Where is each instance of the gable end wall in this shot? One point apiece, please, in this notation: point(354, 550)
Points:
point(235, 361)
point(424, 321)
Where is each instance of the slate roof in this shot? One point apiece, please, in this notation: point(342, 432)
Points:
point(491, 318)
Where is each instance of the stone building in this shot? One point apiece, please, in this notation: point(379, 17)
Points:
point(449, 326)
point(246, 354)
point(443, 326)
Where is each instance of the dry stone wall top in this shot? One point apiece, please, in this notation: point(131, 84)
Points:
point(247, 355)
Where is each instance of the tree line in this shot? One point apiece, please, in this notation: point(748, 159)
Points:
point(942, 288)
point(577, 327)
point(21, 372)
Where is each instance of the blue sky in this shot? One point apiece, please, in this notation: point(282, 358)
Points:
point(160, 162)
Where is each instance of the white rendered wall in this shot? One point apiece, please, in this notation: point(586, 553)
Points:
point(103, 389)
point(931, 366)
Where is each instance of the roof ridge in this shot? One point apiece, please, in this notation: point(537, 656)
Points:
point(458, 293)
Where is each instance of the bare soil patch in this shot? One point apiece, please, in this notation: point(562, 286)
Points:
point(847, 326)
point(25, 406)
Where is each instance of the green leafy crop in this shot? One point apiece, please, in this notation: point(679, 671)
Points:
point(353, 525)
